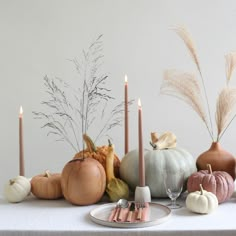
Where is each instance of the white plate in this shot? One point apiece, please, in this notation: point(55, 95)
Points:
point(157, 214)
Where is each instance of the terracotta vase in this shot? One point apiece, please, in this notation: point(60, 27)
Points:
point(219, 159)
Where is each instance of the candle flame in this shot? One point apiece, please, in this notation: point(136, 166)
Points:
point(21, 110)
point(126, 79)
point(139, 103)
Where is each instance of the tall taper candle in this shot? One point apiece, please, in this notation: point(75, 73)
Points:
point(21, 144)
point(140, 138)
point(126, 117)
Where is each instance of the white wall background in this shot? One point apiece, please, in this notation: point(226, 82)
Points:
point(38, 38)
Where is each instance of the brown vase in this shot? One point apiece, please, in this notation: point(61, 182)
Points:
point(219, 159)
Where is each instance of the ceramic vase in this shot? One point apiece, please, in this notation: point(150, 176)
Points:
point(219, 159)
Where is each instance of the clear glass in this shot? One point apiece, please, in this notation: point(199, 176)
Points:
point(173, 184)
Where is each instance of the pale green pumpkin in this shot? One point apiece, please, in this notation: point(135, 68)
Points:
point(172, 159)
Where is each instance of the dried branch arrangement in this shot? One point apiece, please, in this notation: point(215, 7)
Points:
point(72, 111)
point(186, 87)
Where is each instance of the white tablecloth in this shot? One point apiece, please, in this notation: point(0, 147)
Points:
point(58, 217)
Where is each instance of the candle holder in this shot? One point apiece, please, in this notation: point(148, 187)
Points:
point(142, 194)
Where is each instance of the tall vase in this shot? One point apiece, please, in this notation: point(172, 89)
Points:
point(219, 159)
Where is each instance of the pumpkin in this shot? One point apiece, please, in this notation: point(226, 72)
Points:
point(17, 189)
point(219, 159)
point(83, 181)
point(202, 201)
point(98, 153)
point(219, 183)
point(115, 188)
point(165, 156)
point(47, 186)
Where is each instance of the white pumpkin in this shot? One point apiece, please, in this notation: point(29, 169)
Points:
point(157, 161)
point(202, 201)
point(17, 189)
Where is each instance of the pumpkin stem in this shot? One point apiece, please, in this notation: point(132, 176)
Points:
point(11, 181)
point(109, 143)
point(47, 174)
point(201, 189)
point(153, 145)
point(209, 168)
point(89, 143)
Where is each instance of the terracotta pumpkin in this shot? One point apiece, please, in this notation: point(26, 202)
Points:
point(219, 183)
point(47, 186)
point(98, 153)
point(83, 181)
point(219, 159)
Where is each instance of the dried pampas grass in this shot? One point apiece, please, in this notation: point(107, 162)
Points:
point(230, 65)
point(225, 110)
point(185, 87)
point(186, 37)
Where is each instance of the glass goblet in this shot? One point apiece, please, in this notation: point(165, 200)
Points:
point(173, 184)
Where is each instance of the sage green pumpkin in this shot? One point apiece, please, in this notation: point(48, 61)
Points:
point(174, 160)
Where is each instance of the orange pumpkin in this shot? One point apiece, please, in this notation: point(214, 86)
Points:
point(47, 186)
point(83, 181)
point(219, 183)
point(98, 153)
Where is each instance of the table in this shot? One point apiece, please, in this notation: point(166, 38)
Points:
point(36, 217)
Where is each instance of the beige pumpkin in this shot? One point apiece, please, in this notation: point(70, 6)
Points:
point(83, 181)
point(47, 186)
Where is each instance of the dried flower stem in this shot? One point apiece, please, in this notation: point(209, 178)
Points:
point(186, 37)
point(64, 118)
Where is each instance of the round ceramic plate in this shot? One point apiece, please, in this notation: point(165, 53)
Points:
point(157, 214)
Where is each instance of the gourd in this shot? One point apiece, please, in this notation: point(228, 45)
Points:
point(17, 189)
point(98, 153)
point(115, 188)
point(202, 201)
point(165, 156)
point(47, 186)
point(219, 183)
point(83, 181)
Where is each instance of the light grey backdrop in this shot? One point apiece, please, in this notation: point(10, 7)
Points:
point(38, 38)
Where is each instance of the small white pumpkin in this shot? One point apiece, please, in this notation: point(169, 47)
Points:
point(17, 189)
point(202, 201)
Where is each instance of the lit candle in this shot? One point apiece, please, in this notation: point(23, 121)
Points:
point(21, 148)
point(126, 117)
point(140, 139)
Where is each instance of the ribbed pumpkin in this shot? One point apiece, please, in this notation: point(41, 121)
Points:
point(157, 161)
point(219, 183)
point(202, 201)
point(98, 153)
point(83, 181)
point(219, 159)
point(47, 185)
